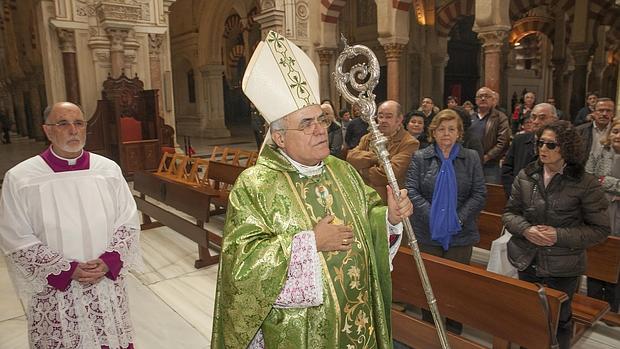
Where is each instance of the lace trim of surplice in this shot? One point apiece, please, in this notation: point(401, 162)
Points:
point(125, 242)
point(85, 316)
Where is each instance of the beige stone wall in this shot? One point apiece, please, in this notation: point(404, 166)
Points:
point(96, 24)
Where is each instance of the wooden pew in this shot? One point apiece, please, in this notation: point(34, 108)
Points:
point(192, 200)
point(603, 264)
point(508, 309)
point(496, 199)
point(490, 228)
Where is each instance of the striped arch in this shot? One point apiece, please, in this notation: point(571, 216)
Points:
point(448, 14)
point(403, 5)
point(529, 25)
point(330, 10)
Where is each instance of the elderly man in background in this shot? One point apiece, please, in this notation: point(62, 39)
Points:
point(69, 229)
point(492, 126)
point(593, 132)
point(522, 111)
point(401, 146)
point(306, 247)
point(586, 113)
point(523, 149)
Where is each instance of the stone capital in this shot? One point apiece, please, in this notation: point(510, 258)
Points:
point(66, 37)
point(492, 41)
point(212, 70)
point(581, 52)
point(393, 51)
point(271, 19)
point(325, 55)
point(117, 38)
point(155, 43)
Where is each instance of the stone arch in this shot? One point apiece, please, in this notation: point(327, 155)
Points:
point(448, 14)
point(528, 25)
point(330, 10)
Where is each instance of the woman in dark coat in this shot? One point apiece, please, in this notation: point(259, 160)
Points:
point(555, 212)
point(446, 185)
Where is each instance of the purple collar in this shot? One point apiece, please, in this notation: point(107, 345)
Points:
point(58, 164)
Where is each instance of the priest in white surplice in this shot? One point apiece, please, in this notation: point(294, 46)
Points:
point(69, 229)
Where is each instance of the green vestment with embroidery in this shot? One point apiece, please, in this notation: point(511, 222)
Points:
point(268, 205)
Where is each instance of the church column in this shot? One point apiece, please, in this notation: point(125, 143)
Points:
point(492, 42)
point(211, 102)
point(580, 46)
point(69, 63)
point(599, 61)
point(117, 38)
point(20, 112)
point(155, 43)
point(557, 66)
point(581, 55)
point(271, 18)
point(325, 58)
point(37, 111)
point(438, 62)
point(392, 55)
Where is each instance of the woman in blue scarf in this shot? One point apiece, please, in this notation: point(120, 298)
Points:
point(446, 185)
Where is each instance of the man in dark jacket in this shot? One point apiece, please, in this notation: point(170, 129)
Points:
point(585, 114)
point(356, 130)
point(593, 132)
point(492, 126)
point(522, 150)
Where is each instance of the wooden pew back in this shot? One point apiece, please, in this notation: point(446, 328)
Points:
point(490, 228)
point(604, 260)
point(496, 199)
point(506, 308)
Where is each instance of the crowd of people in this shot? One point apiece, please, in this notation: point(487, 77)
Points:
point(312, 228)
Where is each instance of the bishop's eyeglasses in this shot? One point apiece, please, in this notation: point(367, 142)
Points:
point(65, 125)
point(307, 126)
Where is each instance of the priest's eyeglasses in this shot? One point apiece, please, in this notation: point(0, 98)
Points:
point(307, 126)
point(65, 125)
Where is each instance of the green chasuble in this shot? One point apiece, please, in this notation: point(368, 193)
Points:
point(268, 205)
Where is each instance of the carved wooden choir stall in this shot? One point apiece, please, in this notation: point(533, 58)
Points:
point(127, 128)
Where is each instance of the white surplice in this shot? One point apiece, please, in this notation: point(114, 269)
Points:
point(48, 220)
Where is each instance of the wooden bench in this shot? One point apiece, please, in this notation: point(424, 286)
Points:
point(490, 228)
point(508, 309)
point(190, 199)
point(496, 199)
point(603, 264)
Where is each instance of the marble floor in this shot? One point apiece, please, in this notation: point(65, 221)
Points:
point(171, 302)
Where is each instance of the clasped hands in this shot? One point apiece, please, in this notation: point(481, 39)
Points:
point(338, 237)
point(90, 272)
point(541, 235)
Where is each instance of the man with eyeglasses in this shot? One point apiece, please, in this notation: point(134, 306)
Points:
point(69, 229)
point(593, 132)
point(401, 146)
point(306, 245)
point(523, 148)
point(492, 127)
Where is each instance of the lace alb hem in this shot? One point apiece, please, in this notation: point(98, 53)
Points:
point(84, 317)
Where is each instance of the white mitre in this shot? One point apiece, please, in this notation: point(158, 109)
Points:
point(280, 78)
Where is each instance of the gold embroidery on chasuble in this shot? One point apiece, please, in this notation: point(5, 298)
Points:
point(348, 271)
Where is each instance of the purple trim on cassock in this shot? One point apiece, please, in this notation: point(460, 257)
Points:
point(114, 263)
point(62, 165)
point(62, 281)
